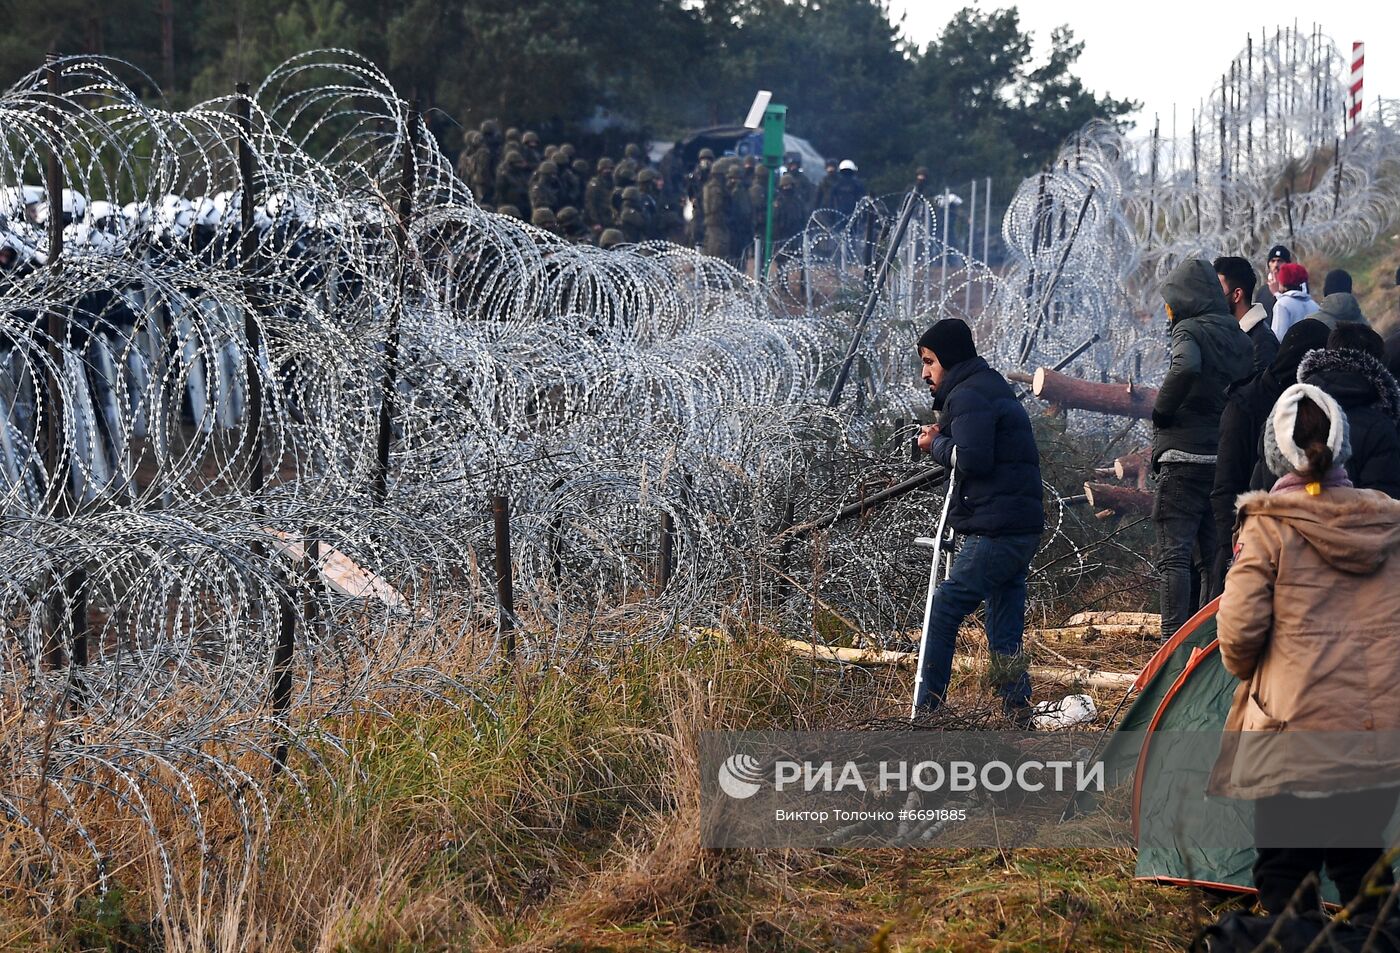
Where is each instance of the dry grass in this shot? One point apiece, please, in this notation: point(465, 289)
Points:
point(571, 822)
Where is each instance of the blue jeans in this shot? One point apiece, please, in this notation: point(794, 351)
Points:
point(991, 569)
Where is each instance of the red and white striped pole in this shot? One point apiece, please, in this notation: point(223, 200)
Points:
point(1358, 63)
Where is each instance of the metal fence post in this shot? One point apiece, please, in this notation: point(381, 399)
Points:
point(379, 481)
point(68, 604)
point(505, 591)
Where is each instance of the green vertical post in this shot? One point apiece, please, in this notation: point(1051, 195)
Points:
point(774, 128)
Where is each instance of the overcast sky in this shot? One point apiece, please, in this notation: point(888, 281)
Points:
point(1174, 52)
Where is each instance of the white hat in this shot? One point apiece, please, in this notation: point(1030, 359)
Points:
point(847, 166)
point(1281, 453)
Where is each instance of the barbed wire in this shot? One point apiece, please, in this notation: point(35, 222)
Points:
point(209, 564)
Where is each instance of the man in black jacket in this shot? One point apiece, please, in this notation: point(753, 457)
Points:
point(1247, 409)
point(1351, 372)
point(1209, 353)
point(987, 444)
point(1237, 279)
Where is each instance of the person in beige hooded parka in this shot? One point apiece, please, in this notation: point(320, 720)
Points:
point(1310, 624)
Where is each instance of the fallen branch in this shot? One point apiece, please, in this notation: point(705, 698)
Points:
point(1093, 633)
point(932, 475)
point(1115, 618)
point(961, 663)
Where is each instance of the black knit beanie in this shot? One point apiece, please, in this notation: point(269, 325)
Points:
point(951, 342)
point(1307, 335)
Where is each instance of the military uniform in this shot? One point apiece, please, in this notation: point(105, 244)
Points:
point(789, 212)
point(513, 181)
point(597, 198)
point(694, 193)
point(571, 226)
point(846, 192)
point(530, 148)
point(803, 188)
point(827, 184)
point(740, 214)
point(632, 219)
point(758, 199)
point(715, 202)
point(624, 177)
point(543, 218)
point(544, 187)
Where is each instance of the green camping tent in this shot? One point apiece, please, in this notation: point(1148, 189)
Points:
point(1184, 688)
point(1166, 746)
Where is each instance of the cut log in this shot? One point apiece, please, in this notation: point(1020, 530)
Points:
point(1129, 466)
point(1125, 400)
point(1121, 499)
point(1115, 618)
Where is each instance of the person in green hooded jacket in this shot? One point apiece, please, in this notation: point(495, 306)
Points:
point(1209, 352)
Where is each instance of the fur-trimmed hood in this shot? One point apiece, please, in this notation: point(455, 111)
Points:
point(1354, 531)
point(1354, 378)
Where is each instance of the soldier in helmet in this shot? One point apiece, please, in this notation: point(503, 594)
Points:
point(571, 226)
point(530, 146)
point(510, 211)
point(544, 187)
point(740, 212)
point(513, 135)
point(580, 177)
point(802, 186)
point(632, 218)
point(921, 180)
point(624, 176)
point(481, 156)
point(660, 204)
point(634, 152)
point(610, 238)
point(543, 218)
point(715, 204)
point(597, 198)
point(694, 195)
point(750, 170)
point(513, 180)
point(827, 184)
point(848, 190)
point(789, 212)
point(495, 142)
point(758, 199)
point(648, 185)
point(471, 141)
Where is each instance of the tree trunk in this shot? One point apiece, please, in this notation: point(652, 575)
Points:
point(1124, 400)
point(167, 45)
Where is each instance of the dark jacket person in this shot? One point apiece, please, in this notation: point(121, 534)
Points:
point(1350, 373)
point(1242, 432)
point(1209, 353)
point(987, 443)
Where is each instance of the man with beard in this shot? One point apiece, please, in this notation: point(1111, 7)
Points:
point(986, 443)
